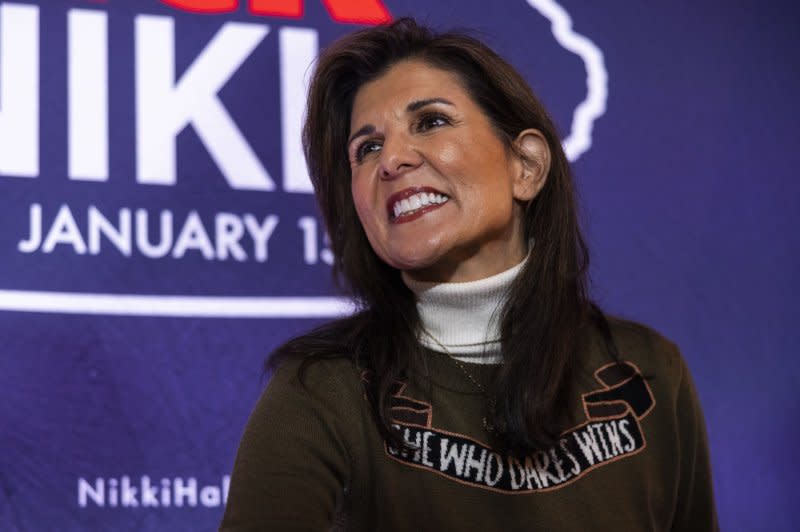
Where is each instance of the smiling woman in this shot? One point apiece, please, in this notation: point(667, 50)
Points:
point(423, 135)
point(478, 387)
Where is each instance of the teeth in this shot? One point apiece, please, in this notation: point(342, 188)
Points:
point(417, 201)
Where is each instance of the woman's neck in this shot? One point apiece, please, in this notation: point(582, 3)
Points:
point(463, 319)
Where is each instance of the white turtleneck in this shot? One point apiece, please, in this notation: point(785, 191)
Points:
point(462, 319)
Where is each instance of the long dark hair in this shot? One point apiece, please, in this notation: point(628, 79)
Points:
point(547, 305)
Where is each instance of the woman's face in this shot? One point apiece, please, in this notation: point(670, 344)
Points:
point(433, 184)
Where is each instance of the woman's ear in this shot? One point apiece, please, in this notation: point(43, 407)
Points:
point(534, 155)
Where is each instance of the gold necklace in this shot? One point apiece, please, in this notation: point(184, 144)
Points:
point(489, 401)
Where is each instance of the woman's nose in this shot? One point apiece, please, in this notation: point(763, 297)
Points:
point(398, 156)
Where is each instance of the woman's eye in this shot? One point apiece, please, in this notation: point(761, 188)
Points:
point(432, 121)
point(365, 148)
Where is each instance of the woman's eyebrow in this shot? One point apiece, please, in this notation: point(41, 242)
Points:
point(410, 108)
point(365, 130)
point(419, 104)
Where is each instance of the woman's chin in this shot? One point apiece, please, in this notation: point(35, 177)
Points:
point(413, 262)
point(412, 255)
point(436, 271)
point(411, 265)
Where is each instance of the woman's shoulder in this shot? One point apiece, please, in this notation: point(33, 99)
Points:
point(318, 362)
point(316, 372)
point(323, 377)
point(307, 392)
point(647, 349)
point(636, 333)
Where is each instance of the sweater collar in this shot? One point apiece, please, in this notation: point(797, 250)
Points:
point(463, 319)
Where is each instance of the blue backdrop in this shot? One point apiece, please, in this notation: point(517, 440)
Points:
point(159, 239)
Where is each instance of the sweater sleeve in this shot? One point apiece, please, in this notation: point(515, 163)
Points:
point(695, 510)
point(293, 463)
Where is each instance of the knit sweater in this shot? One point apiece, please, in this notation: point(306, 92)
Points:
point(463, 319)
point(635, 458)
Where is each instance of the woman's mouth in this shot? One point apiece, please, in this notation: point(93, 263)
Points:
point(410, 204)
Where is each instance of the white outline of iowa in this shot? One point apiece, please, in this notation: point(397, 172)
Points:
point(594, 106)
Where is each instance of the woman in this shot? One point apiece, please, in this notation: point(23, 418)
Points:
point(477, 388)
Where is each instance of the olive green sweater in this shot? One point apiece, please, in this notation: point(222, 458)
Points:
point(636, 458)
